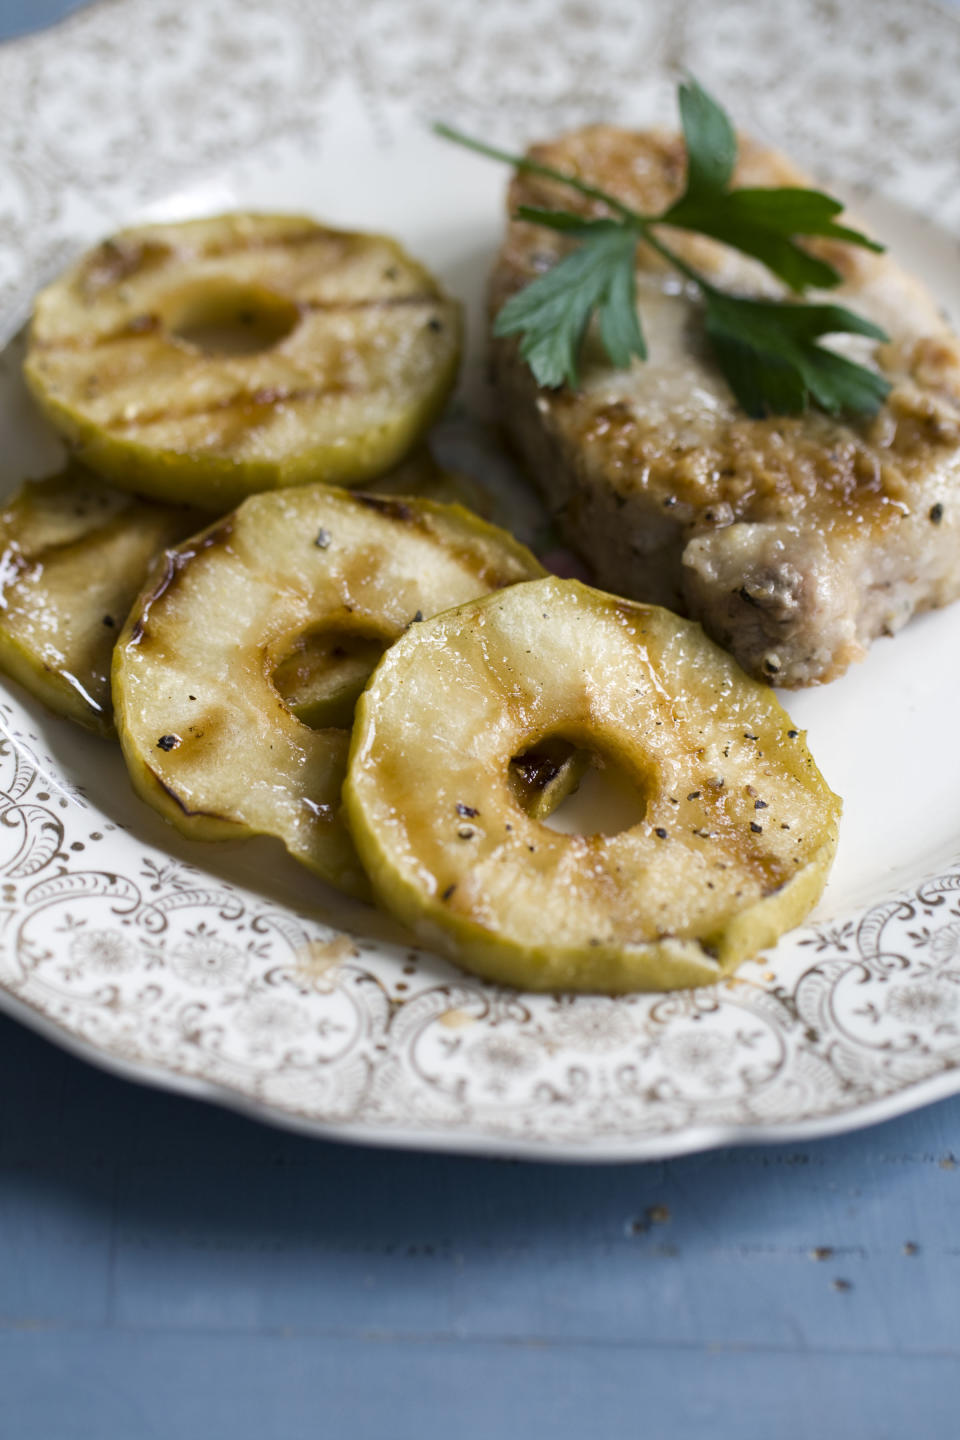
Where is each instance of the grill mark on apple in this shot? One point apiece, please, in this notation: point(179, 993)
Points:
point(117, 261)
point(150, 325)
point(122, 259)
point(397, 510)
point(168, 524)
point(426, 299)
point(489, 570)
point(184, 808)
point(174, 562)
point(246, 405)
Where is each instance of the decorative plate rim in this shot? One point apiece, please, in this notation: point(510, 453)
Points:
point(692, 1141)
point(170, 976)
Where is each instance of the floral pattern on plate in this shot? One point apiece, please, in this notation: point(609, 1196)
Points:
point(160, 970)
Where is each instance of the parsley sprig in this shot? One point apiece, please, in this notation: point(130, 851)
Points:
point(767, 350)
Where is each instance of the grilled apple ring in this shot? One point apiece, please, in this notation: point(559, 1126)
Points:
point(73, 556)
point(202, 361)
point(207, 737)
point(738, 832)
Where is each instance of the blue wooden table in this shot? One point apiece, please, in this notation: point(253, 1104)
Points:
point(169, 1270)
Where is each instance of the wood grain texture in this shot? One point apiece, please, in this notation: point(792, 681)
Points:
point(167, 1268)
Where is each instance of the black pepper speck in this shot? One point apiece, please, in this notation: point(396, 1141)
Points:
point(168, 742)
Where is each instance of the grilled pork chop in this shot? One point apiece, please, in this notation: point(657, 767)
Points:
point(794, 540)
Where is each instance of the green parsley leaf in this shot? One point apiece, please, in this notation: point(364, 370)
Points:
point(769, 355)
point(619, 321)
point(766, 350)
point(711, 141)
point(791, 211)
point(552, 312)
point(752, 222)
point(564, 221)
point(760, 223)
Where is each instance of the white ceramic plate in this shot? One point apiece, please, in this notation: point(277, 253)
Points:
point(179, 963)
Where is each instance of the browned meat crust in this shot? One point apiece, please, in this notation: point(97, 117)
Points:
point(795, 541)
